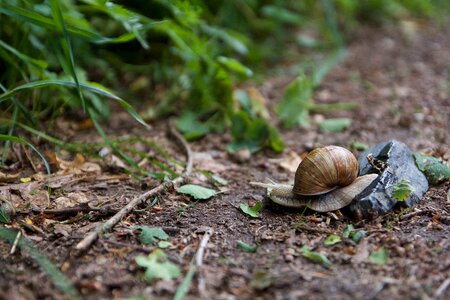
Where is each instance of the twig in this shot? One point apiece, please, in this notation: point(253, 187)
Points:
point(199, 260)
point(441, 289)
point(16, 241)
point(91, 237)
point(305, 227)
point(416, 213)
point(70, 210)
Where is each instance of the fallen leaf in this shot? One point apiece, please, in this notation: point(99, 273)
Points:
point(435, 171)
point(335, 125)
point(251, 211)
point(196, 191)
point(158, 266)
point(71, 200)
point(379, 257)
point(246, 247)
point(332, 239)
point(164, 244)
point(149, 235)
point(290, 162)
point(316, 257)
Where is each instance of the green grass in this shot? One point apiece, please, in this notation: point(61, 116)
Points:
point(67, 56)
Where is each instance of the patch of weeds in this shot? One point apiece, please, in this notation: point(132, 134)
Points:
point(396, 217)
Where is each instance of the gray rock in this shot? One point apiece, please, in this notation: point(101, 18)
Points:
point(377, 198)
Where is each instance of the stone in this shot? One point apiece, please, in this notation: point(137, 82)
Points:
point(377, 199)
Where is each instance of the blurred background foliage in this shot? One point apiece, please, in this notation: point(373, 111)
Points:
point(186, 59)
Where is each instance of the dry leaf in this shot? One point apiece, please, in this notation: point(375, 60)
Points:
point(288, 162)
point(71, 200)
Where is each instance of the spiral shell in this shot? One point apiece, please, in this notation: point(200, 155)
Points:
point(325, 169)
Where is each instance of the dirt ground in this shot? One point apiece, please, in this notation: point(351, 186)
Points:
point(400, 80)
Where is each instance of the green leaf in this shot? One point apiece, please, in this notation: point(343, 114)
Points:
point(348, 230)
point(196, 191)
point(316, 257)
point(335, 125)
point(275, 142)
point(294, 108)
point(357, 236)
point(380, 256)
point(235, 66)
point(190, 127)
point(252, 211)
point(219, 180)
point(358, 146)
point(246, 247)
point(332, 239)
point(252, 133)
point(351, 233)
point(435, 171)
point(164, 244)
point(158, 266)
point(401, 190)
point(148, 234)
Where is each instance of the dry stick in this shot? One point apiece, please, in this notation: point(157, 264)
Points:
point(441, 289)
point(16, 241)
point(91, 237)
point(199, 259)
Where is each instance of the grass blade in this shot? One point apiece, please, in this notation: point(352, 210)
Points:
point(183, 288)
point(49, 24)
point(92, 87)
point(29, 60)
point(67, 47)
point(58, 278)
point(24, 142)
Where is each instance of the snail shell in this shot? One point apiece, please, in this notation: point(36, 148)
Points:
point(326, 180)
point(333, 200)
point(325, 169)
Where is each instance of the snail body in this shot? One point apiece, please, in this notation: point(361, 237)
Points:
point(326, 179)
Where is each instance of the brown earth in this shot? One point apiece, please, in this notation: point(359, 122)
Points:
point(400, 80)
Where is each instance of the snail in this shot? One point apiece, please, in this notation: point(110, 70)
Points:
point(326, 180)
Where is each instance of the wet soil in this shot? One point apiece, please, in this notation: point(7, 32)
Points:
point(400, 81)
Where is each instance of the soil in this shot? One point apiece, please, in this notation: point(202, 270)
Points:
point(399, 77)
